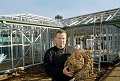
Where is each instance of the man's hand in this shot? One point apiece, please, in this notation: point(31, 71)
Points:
point(68, 73)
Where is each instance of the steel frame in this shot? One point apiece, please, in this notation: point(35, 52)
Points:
point(100, 31)
point(24, 42)
point(24, 38)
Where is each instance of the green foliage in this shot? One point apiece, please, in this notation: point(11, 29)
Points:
point(58, 17)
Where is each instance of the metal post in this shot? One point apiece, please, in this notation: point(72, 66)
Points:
point(71, 37)
point(23, 49)
point(32, 45)
point(11, 41)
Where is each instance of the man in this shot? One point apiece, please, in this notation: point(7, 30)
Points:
point(56, 56)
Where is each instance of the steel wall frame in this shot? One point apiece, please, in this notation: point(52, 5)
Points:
point(102, 28)
point(24, 44)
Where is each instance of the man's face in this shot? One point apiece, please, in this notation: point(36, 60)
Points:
point(60, 40)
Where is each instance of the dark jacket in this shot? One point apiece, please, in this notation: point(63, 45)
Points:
point(54, 60)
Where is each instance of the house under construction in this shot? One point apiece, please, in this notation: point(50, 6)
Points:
point(24, 38)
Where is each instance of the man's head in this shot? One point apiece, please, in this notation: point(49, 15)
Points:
point(60, 38)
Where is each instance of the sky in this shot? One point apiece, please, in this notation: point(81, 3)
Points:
point(51, 8)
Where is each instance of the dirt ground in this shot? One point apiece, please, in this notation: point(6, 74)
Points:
point(37, 73)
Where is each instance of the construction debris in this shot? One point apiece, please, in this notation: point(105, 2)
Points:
point(81, 63)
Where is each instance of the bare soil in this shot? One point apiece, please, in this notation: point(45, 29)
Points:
point(36, 73)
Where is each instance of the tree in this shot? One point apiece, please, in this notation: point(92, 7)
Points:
point(58, 17)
